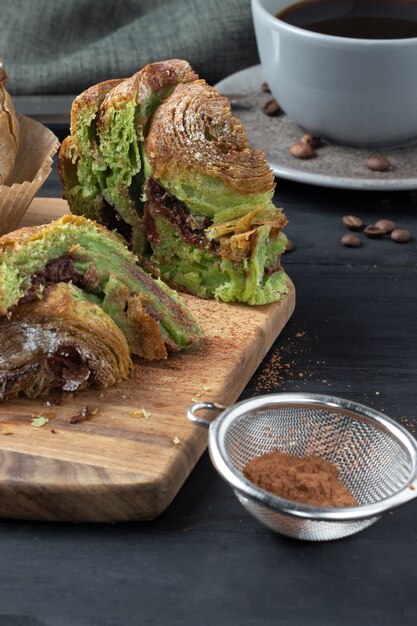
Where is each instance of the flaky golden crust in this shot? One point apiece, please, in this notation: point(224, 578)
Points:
point(195, 128)
point(60, 341)
point(91, 98)
point(59, 304)
point(149, 342)
point(67, 168)
point(27, 234)
point(151, 79)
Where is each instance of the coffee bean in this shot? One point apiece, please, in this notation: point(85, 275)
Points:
point(302, 151)
point(352, 222)
point(312, 140)
point(265, 88)
point(350, 240)
point(401, 235)
point(271, 108)
point(373, 231)
point(386, 225)
point(378, 163)
point(289, 246)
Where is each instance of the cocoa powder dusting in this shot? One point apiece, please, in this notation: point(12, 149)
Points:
point(308, 479)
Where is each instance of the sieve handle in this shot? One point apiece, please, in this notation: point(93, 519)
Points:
point(412, 491)
point(201, 406)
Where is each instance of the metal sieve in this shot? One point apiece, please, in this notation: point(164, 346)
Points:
point(375, 456)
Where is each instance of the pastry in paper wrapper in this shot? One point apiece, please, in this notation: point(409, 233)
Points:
point(9, 130)
point(32, 166)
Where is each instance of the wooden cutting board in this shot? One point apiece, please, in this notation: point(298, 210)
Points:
point(119, 465)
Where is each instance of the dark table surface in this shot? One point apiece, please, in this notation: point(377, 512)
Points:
point(205, 560)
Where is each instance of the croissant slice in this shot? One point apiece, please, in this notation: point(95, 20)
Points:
point(79, 152)
point(62, 341)
point(117, 164)
point(74, 249)
point(200, 156)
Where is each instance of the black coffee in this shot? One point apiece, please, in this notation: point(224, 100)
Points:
point(362, 19)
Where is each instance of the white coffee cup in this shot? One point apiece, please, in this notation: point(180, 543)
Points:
point(359, 92)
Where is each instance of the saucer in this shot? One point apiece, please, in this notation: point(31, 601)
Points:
point(334, 165)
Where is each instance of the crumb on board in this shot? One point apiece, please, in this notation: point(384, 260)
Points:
point(53, 431)
point(39, 421)
point(83, 414)
point(8, 432)
point(197, 395)
point(140, 413)
point(176, 441)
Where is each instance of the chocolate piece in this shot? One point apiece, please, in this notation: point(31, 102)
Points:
point(83, 414)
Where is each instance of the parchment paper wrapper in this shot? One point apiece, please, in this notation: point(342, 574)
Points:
point(32, 167)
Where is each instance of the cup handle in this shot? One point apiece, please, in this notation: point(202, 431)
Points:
point(200, 406)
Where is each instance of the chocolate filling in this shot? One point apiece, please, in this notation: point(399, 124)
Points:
point(64, 369)
point(60, 270)
point(113, 221)
point(192, 228)
point(67, 365)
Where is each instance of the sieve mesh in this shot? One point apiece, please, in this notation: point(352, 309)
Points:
point(372, 463)
point(310, 530)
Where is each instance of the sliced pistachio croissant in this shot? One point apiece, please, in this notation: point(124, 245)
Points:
point(61, 340)
point(74, 249)
point(171, 152)
point(117, 123)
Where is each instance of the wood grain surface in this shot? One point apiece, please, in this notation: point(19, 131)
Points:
point(120, 465)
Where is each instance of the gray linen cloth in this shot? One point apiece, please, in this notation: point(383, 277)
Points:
point(64, 46)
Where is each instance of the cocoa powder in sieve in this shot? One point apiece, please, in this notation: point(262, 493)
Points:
point(308, 479)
